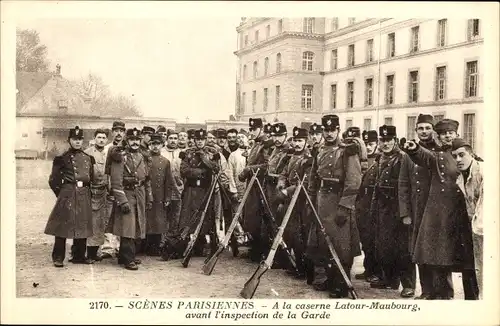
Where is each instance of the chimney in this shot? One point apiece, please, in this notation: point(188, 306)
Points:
point(58, 70)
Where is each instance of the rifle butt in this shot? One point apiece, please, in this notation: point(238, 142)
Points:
point(209, 266)
point(187, 258)
point(254, 281)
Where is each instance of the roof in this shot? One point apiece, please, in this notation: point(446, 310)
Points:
point(27, 84)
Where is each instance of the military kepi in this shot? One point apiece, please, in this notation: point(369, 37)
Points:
point(353, 132)
point(315, 128)
point(156, 139)
point(133, 133)
point(190, 133)
point(118, 125)
point(425, 118)
point(148, 130)
point(370, 135)
point(254, 123)
point(278, 129)
point(330, 122)
point(300, 133)
point(446, 125)
point(200, 134)
point(267, 128)
point(76, 133)
point(458, 143)
point(387, 132)
point(221, 133)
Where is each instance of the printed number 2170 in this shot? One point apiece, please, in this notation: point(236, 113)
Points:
point(99, 305)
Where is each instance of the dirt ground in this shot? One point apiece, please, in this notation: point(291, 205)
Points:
point(155, 278)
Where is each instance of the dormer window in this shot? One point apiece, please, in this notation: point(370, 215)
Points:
point(62, 104)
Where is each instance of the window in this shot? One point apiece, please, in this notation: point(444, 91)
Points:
point(367, 124)
point(256, 36)
point(333, 97)
point(25, 135)
point(277, 104)
point(389, 89)
point(307, 92)
point(308, 25)
point(334, 60)
point(348, 123)
point(254, 100)
point(255, 72)
point(441, 40)
point(470, 128)
point(369, 50)
point(413, 87)
point(335, 24)
point(438, 117)
point(414, 39)
point(268, 31)
point(244, 72)
point(369, 92)
point(280, 26)
point(350, 58)
point(246, 40)
point(62, 104)
point(266, 66)
point(307, 61)
point(440, 83)
point(472, 29)
point(410, 127)
point(243, 101)
point(388, 121)
point(391, 45)
point(351, 21)
point(350, 95)
point(471, 79)
point(265, 100)
point(278, 62)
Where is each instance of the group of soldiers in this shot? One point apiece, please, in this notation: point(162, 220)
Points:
point(398, 201)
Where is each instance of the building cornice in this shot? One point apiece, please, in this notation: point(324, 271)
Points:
point(280, 74)
point(251, 24)
point(403, 106)
point(277, 38)
point(407, 56)
point(355, 27)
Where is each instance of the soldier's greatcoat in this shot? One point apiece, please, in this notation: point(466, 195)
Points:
point(258, 157)
point(333, 161)
point(99, 192)
point(164, 190)
point(444, 237)
point(71, 216)
point(277, 162)
point(130, 184)
point(388, 208)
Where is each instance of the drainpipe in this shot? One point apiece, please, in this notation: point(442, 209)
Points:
point(378, 67)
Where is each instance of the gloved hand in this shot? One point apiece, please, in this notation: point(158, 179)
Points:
point(406, 220)
point(125, 208)
point(281, 208)
point(166, 203)
point(281, 196)
point(234, 198)
point(343, 215)
point(149, 205)
point(243, 174)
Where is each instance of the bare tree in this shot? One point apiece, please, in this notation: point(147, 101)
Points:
point(31, 56)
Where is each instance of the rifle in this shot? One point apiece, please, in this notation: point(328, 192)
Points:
point(329, 243)
point(271, 221)
point(209, 265)
point(189, 249)
point(252, 284)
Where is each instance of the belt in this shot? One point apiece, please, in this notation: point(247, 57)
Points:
point(98, 187)
point(197, 183)
point(77, 183)
point(331, 184)
point(273, 178)
point(132, 186)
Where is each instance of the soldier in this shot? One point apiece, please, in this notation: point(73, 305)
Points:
point(298, 227)
point(99, 190)
point(71, 217)
point(316, 134)
point(190, 137)
point(418, 180)
point(146, 138)
point(258, 157)
point(443, 242)
point(353, 136)
point(111, 242)
point(131, 186)
point(334, 182)
point(183, 140)
point(267, 129)
point(221, 140)
point(164, 191)
point(232, 140)
point(198, 168)
point(161, 130)
point(364, 219)
point(391, 215)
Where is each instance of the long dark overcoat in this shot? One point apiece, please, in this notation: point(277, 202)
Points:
point(277, 162)
point(71, 216)
point(444, 236)
point(333, 162)
point(129, 168)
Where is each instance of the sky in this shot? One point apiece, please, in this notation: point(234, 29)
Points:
point(173, 68)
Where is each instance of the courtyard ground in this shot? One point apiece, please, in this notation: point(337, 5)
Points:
point(155, 278)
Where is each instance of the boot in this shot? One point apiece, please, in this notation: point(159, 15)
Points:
point(309, 270)
point(92, 253)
